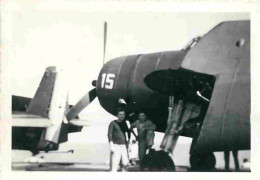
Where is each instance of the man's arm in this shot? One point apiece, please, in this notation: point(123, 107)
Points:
point(127, 130)
point(110, 136)
point(134, 125)
point(110, 132)
point(150, 126)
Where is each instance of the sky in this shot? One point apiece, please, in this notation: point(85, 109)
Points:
point(73, 41)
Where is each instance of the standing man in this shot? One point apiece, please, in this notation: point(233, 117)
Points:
point(145, 130)
point(235, 156)
point(118, 141)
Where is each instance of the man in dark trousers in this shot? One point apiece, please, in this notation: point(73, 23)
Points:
point(145, 130)
point(118, 141)
point(235, 156)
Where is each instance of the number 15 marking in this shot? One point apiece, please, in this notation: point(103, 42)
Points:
point(107, 80)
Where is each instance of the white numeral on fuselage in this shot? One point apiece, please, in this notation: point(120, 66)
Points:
point(107, 81)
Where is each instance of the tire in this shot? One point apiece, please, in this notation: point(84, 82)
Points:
point(202, 162)
point(157, 161)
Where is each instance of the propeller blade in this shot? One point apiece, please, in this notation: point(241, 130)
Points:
point(105, 41)
point(83, 102)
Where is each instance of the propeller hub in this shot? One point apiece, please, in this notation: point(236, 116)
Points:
point(94, 83)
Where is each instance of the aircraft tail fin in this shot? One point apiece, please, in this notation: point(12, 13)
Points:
point(40, 104)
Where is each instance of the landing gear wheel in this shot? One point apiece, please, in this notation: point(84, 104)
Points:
point(157, 161)
point(202, 162)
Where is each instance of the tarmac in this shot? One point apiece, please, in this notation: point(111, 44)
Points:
point(91, 167)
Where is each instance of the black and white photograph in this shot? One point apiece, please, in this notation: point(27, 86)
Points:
point(119, 91)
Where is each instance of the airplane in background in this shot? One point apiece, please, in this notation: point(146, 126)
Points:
point(40, 123)
point(201, 91)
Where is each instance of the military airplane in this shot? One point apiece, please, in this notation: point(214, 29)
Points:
point(201, 91)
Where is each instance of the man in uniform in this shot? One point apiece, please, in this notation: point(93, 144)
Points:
point(145, 130)
point(118, 141)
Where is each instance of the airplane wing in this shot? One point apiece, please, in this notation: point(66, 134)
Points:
point(78, 122)
point(29, 120)
point(218, 66)
point(225, 53)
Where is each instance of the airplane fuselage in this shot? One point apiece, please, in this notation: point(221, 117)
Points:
point(223, 53)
